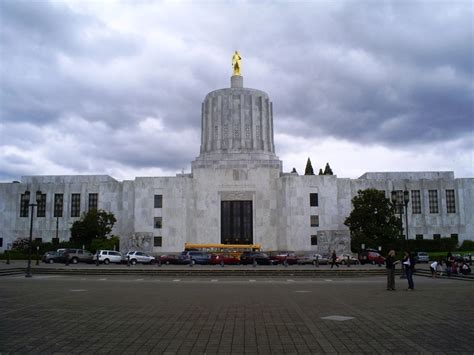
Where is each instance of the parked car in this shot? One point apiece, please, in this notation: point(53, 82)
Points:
point(194, 257)
point(228, 259)
point(468, 257)
point(313, 258)
point(279, 257)
point(248, 257)
point(422, 257)
point(344, 258)
point(109, 256)
point(370, 256)
point(139, 257)
point(78, 255)
point(51, 257)
point(169, 259)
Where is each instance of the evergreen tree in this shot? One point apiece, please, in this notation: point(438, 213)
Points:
point(95, 224)
point(373, 221)
point(309, 168)
point(321, 172)
point(328, 170)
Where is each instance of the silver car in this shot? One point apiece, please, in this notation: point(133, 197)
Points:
point(312, 258)
point(139, 257)
point(108, 256)
point(422, 257)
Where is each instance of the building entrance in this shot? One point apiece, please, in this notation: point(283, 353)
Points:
point(236, 222)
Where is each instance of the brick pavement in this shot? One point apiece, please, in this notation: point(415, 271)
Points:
point(124, 314)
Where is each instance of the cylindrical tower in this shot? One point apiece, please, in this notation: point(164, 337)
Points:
point(237, 124)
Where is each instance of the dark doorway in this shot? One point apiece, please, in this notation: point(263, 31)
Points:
point(236, 222)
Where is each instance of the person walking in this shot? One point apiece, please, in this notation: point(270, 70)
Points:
point(390, 265)
point(409, 264)
point(333, 259)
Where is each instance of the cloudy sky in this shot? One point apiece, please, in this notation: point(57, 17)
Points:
point(115, 87)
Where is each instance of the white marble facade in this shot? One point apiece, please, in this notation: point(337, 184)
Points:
point(237, 162)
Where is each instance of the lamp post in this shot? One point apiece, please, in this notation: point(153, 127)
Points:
point(57, 229)
point(400, 204)
point(406, 199)
point(32, 205)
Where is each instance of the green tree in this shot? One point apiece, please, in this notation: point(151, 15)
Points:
point(309, 168)
point(95, 224)
point(321, 172)
point(373, 221)
point(328, 170)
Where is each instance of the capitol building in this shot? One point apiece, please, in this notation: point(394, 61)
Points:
point(236, 193)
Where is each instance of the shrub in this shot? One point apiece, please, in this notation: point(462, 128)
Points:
point(107, 244)
point(429, 245)
point(467, 245)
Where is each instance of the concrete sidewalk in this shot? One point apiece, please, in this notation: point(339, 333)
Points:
point(122, 314)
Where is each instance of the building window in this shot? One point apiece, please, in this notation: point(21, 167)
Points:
point(93, 201)
point(24, 204)
point(314, 221)
point(313, 200)
point(314, 240)
point(58, 205)
point(1, 242)
point(158, 201)
point(158, 222)
point(433, 201)
point(75, 205)
point(455, 236)
point(415, 202)
point(157, 241)
point(41, 209)
point(436, 236)
point(399, 202)
point(450, 201)
point(419, 237)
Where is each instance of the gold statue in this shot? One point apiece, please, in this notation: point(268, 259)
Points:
point(236, 58)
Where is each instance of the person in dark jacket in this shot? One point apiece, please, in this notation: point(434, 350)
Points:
point(333, 259)
point(449, 263)
point(390, 265)
point(409, 264)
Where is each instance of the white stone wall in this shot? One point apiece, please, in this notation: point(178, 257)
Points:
point(191, 206)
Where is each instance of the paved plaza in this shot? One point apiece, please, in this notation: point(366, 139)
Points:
point(143, 314)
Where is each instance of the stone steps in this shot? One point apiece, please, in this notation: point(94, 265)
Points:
point(211, 272)
point(427, 273)
point(12, 271)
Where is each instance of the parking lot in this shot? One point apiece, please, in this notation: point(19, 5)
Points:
point(140, 314)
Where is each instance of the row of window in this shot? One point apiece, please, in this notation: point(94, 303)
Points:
point(58, 204)
point(433, 201)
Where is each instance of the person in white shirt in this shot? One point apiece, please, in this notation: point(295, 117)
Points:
point(434, 267)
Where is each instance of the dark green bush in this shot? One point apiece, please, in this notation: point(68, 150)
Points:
point(467, 245)
point(429, 245)
point(107, 244)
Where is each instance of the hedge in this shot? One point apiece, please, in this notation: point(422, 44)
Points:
point(467, 245)
point(429, 245)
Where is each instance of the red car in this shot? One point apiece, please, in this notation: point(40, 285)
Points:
point(279, 257)
point(371, 257)
point(169, 259)
point(228, 259)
